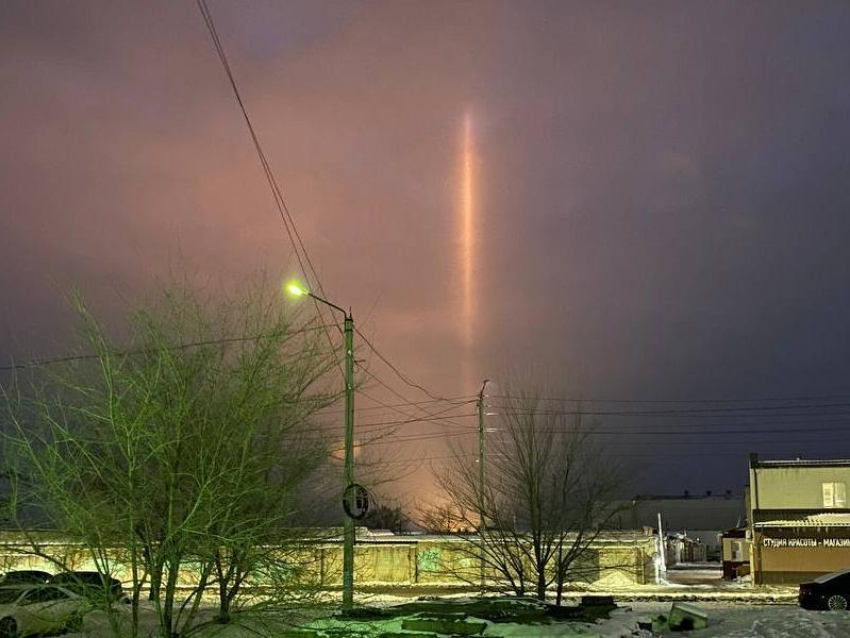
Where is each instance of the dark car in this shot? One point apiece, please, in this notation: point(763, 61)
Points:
point(91, 585)
point(830, 591)
point(25, 577)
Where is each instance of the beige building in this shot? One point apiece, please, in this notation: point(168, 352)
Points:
point(799, 519)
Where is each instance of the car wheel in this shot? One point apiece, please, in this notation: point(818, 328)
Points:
point(836, 602)
point(8, 628)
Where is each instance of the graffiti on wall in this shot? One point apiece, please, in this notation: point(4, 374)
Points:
point(428, 560)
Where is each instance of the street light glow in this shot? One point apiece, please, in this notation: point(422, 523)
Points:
point(296, 290)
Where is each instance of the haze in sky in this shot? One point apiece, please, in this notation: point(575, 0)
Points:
point(661, 196)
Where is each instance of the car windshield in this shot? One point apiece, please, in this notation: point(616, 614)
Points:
point(9, 595)
point(828, 577)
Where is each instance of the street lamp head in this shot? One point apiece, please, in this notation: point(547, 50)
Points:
point(296, 290)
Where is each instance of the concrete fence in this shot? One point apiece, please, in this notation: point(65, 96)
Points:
point(381, 560)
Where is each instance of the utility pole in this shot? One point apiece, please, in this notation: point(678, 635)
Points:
point(662, 553)
point(348, 524)
point(350, 492)
point(482, 476)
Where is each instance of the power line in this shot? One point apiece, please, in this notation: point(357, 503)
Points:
point(458, 401)
point(393, 407)
point(283, 210)
point(35, 363)
point(448, 458)
point(277, 194)
point(580, 400)
point(692, 412)
point(435, 417)
point(733, 442)
point(719, 432)
point(436, 420)
point(392, 390)
point(373, 429)
point(726, 437)
point(774, 422)
point(398, 372)
point(725, 441)
point(394, 439)
point(280, 202)
point(736, 440)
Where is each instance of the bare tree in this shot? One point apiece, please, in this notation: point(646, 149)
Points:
point(388, 517)
point(548, 494)
point(185, 447)
point(444, 519)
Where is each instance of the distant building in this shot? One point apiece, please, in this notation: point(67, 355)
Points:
point(735, 553)
point(799, 520)
point(702, 517)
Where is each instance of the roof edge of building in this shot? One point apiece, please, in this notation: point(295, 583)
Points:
point(804, 463)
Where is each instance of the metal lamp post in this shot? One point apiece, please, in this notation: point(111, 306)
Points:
point(348, 522)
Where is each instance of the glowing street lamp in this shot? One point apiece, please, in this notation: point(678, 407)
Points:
point(295, 289)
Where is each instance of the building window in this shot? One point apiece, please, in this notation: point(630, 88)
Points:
point(834, 495)
point(738, 551)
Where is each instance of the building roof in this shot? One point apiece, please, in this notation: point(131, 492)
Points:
point(821, 519)
point(800, 463)
point(682, 513)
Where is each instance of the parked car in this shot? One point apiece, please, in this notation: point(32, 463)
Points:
point(91, 585)
point(830, 591)
point(24, 577)
point(27, 610)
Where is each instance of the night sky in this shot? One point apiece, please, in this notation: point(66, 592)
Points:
point(662, 194)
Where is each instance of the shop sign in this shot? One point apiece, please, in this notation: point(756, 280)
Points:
point(805, 542)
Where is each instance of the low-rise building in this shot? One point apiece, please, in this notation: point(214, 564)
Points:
point(799, 519)
point(735, 553)
point(699, 517)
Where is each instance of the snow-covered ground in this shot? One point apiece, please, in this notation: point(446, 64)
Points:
point(756, 621)
point(725, 621)
point(744, 621)
point(698, 575)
